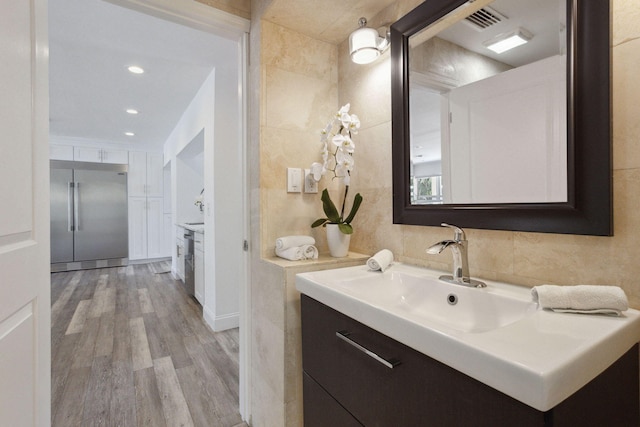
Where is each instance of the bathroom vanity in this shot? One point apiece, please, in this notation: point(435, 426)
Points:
point(378, 359)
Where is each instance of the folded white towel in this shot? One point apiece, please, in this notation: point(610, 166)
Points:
point(292, 254)
point(287, 242)
point(310, 252)
point(381, 260)
point(588, 299)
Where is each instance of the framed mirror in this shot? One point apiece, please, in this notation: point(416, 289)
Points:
point(518, 140)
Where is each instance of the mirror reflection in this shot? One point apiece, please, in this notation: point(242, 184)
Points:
point(488, 121)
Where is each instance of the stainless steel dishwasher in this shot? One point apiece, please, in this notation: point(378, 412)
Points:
point(189, 264)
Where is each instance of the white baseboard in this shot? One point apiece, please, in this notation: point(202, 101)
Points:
point(221, 323)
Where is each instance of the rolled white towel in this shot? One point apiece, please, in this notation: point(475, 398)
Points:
point(287, 242)
point(310, 252)
point(292, 254)
point(381, 260)
point(588, 299)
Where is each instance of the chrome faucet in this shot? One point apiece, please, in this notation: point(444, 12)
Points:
point(460, 260)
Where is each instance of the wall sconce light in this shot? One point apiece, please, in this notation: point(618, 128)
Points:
point(507, 41)
point(366, 44)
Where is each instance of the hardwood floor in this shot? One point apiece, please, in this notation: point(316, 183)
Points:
point(130, 348)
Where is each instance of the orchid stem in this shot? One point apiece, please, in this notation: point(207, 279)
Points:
point(344, 201)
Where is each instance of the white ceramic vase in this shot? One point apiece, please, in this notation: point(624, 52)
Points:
point(338, 241)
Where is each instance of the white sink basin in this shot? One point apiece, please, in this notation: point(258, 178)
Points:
point(423, 297)
point(496, 334)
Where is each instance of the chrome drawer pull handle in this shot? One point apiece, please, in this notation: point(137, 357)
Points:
point(344, 335)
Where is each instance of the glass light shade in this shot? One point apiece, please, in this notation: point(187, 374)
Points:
point(363, 45)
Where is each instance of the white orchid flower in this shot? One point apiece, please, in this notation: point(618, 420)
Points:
point(354, 124)
point(324, 133)
point(344, 159)
point(344, 143)
point(343, 110)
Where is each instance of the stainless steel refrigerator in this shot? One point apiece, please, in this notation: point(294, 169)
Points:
point(89, 227)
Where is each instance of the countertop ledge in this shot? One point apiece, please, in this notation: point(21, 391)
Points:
point(323, 259)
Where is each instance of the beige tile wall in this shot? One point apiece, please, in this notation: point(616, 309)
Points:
point(522, 258)
point(296, 84)
point(299, 94)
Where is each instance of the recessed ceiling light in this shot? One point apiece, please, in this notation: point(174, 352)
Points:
point(129, 133)
point(132, 111)
point(135, 69)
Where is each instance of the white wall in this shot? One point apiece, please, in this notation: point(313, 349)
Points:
point(215, 111)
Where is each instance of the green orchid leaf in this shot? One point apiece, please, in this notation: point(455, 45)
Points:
point(319, 222)
point(345, 228)
point(354, 209)
point(329, 208)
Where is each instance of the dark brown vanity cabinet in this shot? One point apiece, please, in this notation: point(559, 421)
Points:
point(374, 380)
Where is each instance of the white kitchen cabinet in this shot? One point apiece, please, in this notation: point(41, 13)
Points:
point(137, 228)
point(155, 228)
point(146, 228)
point(168, 229)
point(145, 174)
point(199, 267)
point(60, 152)
point(145, 182)
point(100, 155)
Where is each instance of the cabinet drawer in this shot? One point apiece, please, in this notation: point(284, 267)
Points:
point(323, 409)
point(413, 390)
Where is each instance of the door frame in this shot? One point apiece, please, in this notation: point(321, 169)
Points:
point(206, 18)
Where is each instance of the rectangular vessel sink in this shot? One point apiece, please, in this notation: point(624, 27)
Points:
point(496, 335)
point(427, 299)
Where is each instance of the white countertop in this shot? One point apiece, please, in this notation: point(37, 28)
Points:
point(540, 359)
point(198, 228)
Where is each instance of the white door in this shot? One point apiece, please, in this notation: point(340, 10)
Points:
point(531, 164)
point(137, 177)
point(137, 228)
point(155, 175)
point(25, 313)
point(155, 228)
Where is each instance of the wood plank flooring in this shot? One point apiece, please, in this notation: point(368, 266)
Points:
point(130, 348)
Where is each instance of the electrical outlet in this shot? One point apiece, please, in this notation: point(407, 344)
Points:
point(310, 184)
point(294, 179)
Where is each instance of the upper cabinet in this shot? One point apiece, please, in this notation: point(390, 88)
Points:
point(145, 174)
point(100, 155)
point(87, 154)
point(60, 152)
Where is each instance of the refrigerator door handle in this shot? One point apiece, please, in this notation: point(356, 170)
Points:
point(76, 202)
point(70, 224)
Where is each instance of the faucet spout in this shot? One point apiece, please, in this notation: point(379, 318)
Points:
point(460, 259)
point(440, 246)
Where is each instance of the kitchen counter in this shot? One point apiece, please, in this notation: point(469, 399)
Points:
point(198, 228)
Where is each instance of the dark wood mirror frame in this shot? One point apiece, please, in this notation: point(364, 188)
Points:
point(588, 210)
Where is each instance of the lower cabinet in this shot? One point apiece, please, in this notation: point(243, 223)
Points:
point(146, 228)
point(344, 385)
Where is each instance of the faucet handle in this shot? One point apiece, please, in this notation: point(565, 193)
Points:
point(458, 232)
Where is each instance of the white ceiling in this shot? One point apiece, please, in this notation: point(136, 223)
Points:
point(91, 44)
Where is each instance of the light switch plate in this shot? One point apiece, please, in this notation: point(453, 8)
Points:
point(294, 180)
point(310, 184)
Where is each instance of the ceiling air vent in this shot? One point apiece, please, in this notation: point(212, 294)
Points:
point(484, 18)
